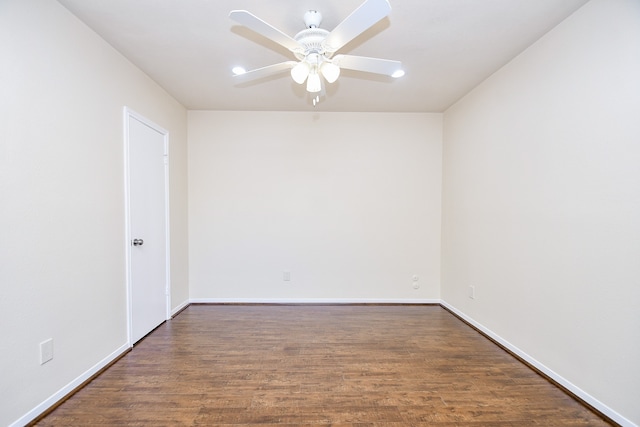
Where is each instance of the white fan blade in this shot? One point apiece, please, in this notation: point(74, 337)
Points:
point(256, 24)
point(369, 65)
point(360, 20)
point(267, 71)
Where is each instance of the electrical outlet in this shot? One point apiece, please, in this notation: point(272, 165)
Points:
point(286, 276)
point(46, 351)
point(414, 280)
point(472, 292)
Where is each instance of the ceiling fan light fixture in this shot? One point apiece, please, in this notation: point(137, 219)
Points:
point(330, 71)
point(300, 72)
point(314, 47)
point(313, 83)
point(237, 71)
point(397, 74)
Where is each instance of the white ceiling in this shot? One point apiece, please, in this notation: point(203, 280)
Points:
point(446, 46)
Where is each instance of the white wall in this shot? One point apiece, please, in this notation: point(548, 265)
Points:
point(541, 207)
point(348, 203)
point(62, 248)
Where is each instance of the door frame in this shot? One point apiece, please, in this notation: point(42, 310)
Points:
point(128, 115)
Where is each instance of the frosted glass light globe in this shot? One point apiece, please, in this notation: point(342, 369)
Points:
point(313, 83)
point(300, 72)
point(330, 71)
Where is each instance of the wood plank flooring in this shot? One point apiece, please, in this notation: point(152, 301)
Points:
point(234, 365)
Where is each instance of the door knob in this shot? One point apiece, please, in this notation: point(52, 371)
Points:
point(138, 242)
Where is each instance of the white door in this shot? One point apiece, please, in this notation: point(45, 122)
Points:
point(146, 147)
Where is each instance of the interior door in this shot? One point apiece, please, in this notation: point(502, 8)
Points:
point(148, 225)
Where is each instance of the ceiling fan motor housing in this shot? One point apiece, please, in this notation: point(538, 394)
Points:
point(311, 41)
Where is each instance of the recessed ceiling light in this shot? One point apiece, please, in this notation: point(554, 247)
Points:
point(398, 73)
point(238, 70)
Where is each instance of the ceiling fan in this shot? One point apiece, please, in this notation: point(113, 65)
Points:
point(314, 47)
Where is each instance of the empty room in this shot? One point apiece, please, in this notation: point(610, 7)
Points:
point(402, 212)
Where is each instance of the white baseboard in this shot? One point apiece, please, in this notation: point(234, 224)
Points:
point(60, 394)
point(577, 391)
point(179, 308)
point(311, 301)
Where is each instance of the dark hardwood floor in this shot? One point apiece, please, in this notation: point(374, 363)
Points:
point(232, 365)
